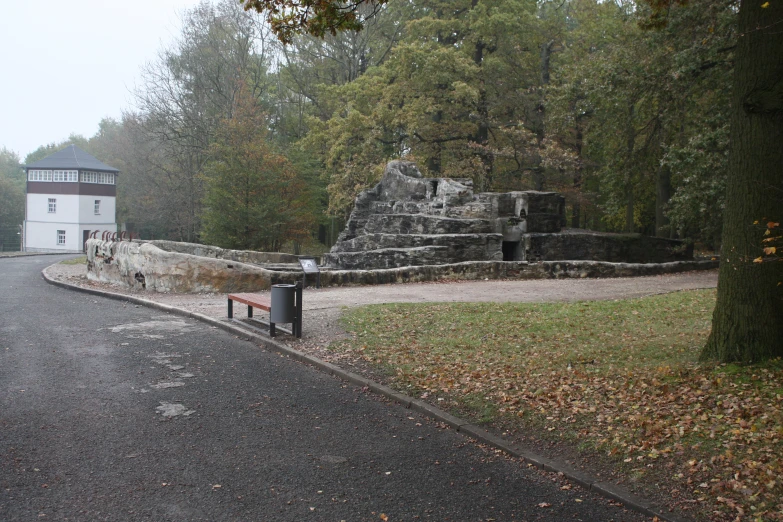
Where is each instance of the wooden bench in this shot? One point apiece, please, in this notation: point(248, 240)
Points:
point(263, 302)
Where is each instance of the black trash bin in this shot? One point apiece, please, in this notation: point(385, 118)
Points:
point(286, 301)
point(283, 304)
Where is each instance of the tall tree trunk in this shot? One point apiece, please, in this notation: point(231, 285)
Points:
point(629, 177)
point(482, 132)
point(576, 209)
point(663, 194)
point(434, 160)
point(747, 324)
point(546, 58)
point(629, 204)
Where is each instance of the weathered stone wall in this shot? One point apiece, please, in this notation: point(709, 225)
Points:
point(614, 248)
point(403, 224)
point(480, 270)
point(410, 220)
point(142, 265)
point(244, 256)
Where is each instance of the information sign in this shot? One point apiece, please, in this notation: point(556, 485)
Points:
point(310, 266)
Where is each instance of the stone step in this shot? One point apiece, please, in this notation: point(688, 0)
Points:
point(479, 243)
point(415, 256)
point(400, 207)
point(354, 228)
point(425, 224)
point(390, 258)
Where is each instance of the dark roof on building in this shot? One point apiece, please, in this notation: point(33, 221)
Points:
point(71, 157)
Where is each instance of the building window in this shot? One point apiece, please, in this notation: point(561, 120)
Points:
point(104, 178)
point(39, 175)
point(97, 207)
point(52, 205)
point(71, 176)
point(61, 237)
point(65, 175)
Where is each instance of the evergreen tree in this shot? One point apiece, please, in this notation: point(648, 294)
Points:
point(12, 196)
point(254, 199)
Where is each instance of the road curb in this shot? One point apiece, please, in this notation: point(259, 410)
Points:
point(31, 254)
point(611, 491)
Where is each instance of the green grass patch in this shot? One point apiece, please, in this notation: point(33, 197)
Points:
point(82, 260)
point(596, 336)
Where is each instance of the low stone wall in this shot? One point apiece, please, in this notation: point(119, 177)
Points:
point(475, 270)
point(615, 248)
point(243, 256)
point(143, 265)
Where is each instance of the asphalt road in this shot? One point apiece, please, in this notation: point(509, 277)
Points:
point(111, 411)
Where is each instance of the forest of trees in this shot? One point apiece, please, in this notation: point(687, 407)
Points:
point(575, 96)
point(624, 106)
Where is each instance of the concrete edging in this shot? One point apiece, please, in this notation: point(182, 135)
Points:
point(31, 254)
point(590, 483)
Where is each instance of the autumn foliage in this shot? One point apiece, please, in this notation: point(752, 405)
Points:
point(287, 18)
point(772, 243)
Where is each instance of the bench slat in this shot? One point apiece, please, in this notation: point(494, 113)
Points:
point(254, 300)
point(264, 302)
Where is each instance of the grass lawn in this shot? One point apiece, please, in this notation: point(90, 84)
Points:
point(82, 260)
point(617, 377)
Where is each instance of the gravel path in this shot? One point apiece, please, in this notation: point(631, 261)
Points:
point(324, 306)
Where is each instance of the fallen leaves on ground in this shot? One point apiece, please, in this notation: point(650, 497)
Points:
point(622, 375)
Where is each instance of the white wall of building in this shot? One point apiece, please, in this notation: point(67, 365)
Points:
point(67, 208)
point(87, 210)
point(42, 237)
point(73, 214)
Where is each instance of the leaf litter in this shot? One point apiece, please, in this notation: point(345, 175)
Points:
point(621, 377)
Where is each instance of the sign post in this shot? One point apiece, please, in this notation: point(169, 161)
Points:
point(310, 266)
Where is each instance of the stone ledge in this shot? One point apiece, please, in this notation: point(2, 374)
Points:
point(140, 266)
point(474, 270)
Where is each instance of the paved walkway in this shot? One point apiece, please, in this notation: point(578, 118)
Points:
point(110, 411)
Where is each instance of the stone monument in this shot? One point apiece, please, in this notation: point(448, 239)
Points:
point(410, 220)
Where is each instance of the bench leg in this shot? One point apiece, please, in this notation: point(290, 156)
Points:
point(271, 329)
point(249, 311)
point(230, 309)
point(297, 326)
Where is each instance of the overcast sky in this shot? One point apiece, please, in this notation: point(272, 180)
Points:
point(67, 64)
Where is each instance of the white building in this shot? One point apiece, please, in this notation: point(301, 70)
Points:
point(70, 194)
